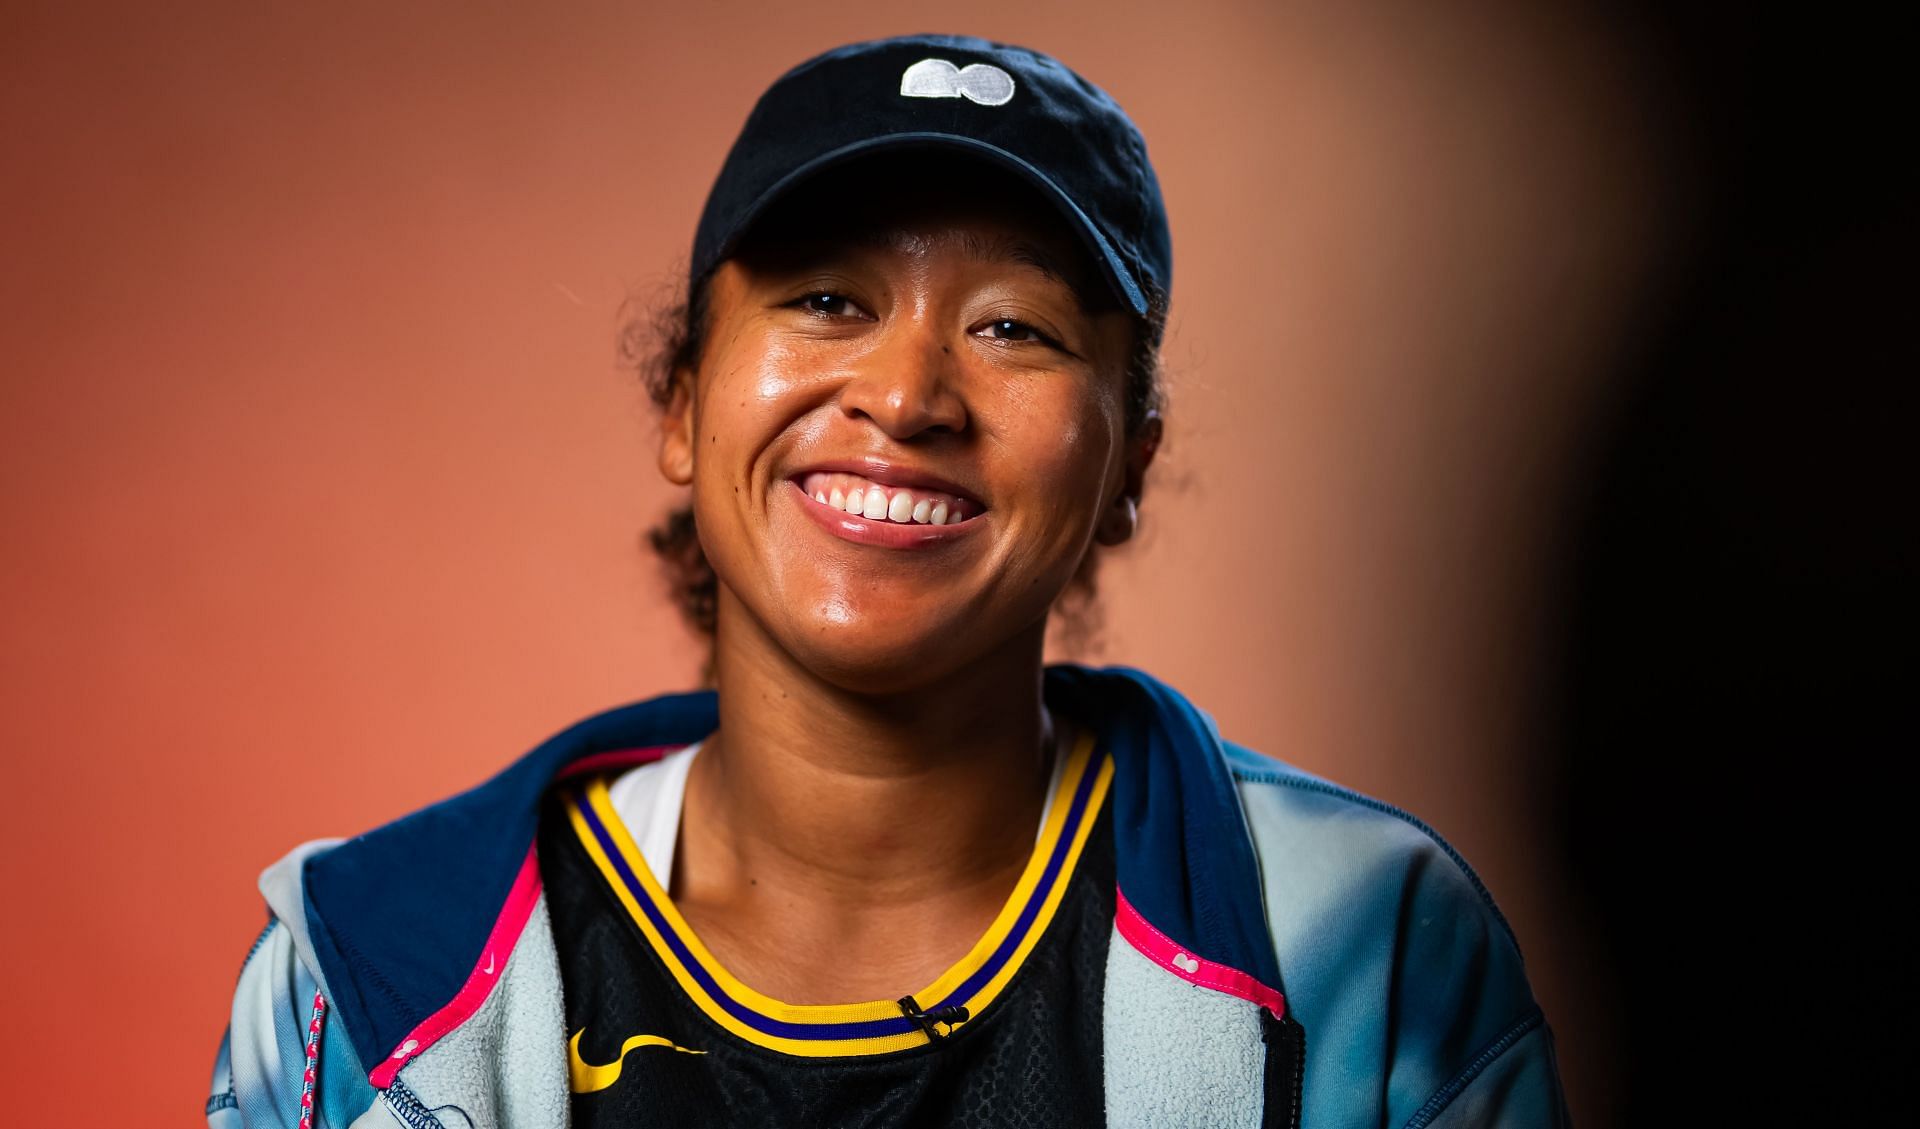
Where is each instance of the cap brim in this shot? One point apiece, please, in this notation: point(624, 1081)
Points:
point(1112, 265)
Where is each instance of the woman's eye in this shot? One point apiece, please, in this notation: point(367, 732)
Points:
point(1007, 329)
point(827, 303)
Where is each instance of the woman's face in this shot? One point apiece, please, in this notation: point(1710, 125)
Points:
point(921, 360)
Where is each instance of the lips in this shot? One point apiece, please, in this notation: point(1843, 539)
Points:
point(885, 532)
point(863, 497)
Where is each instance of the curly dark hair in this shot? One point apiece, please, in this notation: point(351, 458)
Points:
point(673, 336)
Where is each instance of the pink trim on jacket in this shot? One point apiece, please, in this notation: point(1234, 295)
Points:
point(615, 758)
point(486, 973)
point(1160, 949)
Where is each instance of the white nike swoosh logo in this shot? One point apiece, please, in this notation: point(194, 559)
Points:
point(489, 968)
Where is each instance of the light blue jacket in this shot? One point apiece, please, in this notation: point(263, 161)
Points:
point(1286, 951)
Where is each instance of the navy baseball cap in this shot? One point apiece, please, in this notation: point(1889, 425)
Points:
point(1012, 106)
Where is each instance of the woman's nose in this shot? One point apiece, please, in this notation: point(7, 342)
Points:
point(909, 386)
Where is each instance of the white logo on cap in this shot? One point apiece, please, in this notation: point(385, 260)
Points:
point(977, 82)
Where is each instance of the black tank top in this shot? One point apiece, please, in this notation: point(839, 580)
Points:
point(659, 1034)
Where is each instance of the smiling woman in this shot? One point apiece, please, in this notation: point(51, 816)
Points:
point(909, 352)
point(912, 204)
point(892, 869)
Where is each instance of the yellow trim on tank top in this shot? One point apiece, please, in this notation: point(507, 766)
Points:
point(1051, 829)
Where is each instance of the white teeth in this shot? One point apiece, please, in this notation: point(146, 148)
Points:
point(856, 497)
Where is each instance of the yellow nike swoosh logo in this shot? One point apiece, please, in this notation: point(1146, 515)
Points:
point(587, 1078)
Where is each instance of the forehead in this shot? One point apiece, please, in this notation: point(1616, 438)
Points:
point(918, 202)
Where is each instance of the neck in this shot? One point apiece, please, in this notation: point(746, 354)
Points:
point(915, 796)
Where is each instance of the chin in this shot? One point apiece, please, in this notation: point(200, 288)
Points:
point(887, 655)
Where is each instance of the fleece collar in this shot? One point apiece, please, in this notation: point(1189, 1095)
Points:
point(413, 922)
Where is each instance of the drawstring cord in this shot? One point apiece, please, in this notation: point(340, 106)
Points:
point(313, 1060)
point(953, 1016)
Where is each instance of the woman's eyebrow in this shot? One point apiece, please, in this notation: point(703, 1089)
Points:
point(1070, 274)
point(997, 248)
point(980, 248)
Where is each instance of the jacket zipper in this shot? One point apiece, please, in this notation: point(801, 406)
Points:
point(409, 1109)
point(1286, 1069)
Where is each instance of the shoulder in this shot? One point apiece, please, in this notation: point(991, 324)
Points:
point(278, 1029)
point(1350, 840)
point(1393, 954)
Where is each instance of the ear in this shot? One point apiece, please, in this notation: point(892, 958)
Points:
point(676, 431)
point(1122, 514)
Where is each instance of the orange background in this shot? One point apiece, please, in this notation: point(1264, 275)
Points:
point(323, 491)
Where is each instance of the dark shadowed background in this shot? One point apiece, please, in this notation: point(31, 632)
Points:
point(1538, 408)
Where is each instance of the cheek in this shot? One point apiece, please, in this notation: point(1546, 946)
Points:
point(727, 426)
point(754, 403)
point(749, 396)
point(772, 372)
point(1058, 451)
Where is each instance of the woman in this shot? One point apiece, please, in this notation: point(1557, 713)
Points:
point(893, 871)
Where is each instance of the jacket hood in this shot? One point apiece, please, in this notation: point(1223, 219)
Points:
point(412, 923)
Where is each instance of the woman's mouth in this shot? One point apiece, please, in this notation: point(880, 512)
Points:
point(860, 497)
point(907, 517)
